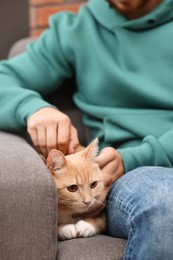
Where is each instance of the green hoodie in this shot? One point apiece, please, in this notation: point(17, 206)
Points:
point(124, 74)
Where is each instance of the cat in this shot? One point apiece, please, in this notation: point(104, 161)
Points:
point(80, 187)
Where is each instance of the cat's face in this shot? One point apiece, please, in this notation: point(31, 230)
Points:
point(78, 179)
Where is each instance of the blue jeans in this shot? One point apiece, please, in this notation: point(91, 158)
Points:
point(140, 208)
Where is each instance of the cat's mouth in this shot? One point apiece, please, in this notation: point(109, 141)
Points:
point(92, 206)
point(89, 211)
point(83, 207)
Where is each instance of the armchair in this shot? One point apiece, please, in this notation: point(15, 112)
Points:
point(28, 204)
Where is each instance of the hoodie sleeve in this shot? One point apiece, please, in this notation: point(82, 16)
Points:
point(151, 152)
point(26, 78)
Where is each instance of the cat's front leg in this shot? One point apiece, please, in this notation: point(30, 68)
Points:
point(66, 232)
point(85, 229)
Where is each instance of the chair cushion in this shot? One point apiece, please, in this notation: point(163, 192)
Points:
point(101, 247)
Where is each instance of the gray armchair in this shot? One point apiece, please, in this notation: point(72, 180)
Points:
point(28, 203)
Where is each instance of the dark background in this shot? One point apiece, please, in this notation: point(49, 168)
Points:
point(14, 23)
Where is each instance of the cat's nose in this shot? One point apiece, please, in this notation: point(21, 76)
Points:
point(87, 202)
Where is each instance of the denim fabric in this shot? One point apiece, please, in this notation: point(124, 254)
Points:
point(140, 208)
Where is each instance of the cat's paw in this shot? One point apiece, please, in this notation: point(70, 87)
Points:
point(85, 229)
point(67, 232)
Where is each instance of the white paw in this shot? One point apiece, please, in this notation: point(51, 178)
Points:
point(67, 232)
point(84, 229)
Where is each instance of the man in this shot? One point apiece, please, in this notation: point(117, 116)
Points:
point(121, 53)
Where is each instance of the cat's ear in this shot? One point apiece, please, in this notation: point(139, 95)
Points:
point(91, 151)
point(56, 160)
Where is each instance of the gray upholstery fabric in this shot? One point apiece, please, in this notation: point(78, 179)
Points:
point(100, 247)
point(27, 203)
point(28, 218)
point(20, 46)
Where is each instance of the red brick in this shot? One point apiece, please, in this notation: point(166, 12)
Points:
point(40, 10)
point(54, 1)
point(45, 12)
point(36, 32)
point(33, 17)
point(46, 1)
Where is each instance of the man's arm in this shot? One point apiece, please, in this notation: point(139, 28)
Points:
point(25, 80)
point(152, 152)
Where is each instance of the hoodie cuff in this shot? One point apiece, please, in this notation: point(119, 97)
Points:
point(28, 107)
point(149, 153)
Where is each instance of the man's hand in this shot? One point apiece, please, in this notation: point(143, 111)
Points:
point(51, 129)
point(111, 164)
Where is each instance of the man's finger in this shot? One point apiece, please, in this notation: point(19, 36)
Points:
point(63, 137)
point(34, 138)
point(106, 155)
point(51, 137)
point(74, 141)
point(41, 132)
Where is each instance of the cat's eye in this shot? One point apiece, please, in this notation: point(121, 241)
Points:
point(72, 188)
point(93, 184)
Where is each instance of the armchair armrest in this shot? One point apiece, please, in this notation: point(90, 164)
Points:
point(27, 203)
point(19, 46)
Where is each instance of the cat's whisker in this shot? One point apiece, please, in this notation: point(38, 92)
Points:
point(101, 203)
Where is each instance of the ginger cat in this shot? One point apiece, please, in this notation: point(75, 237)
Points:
point(80, 188)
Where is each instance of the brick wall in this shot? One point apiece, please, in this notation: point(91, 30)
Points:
point(40, 10)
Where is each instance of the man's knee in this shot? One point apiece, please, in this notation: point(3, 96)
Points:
point(144, 195)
